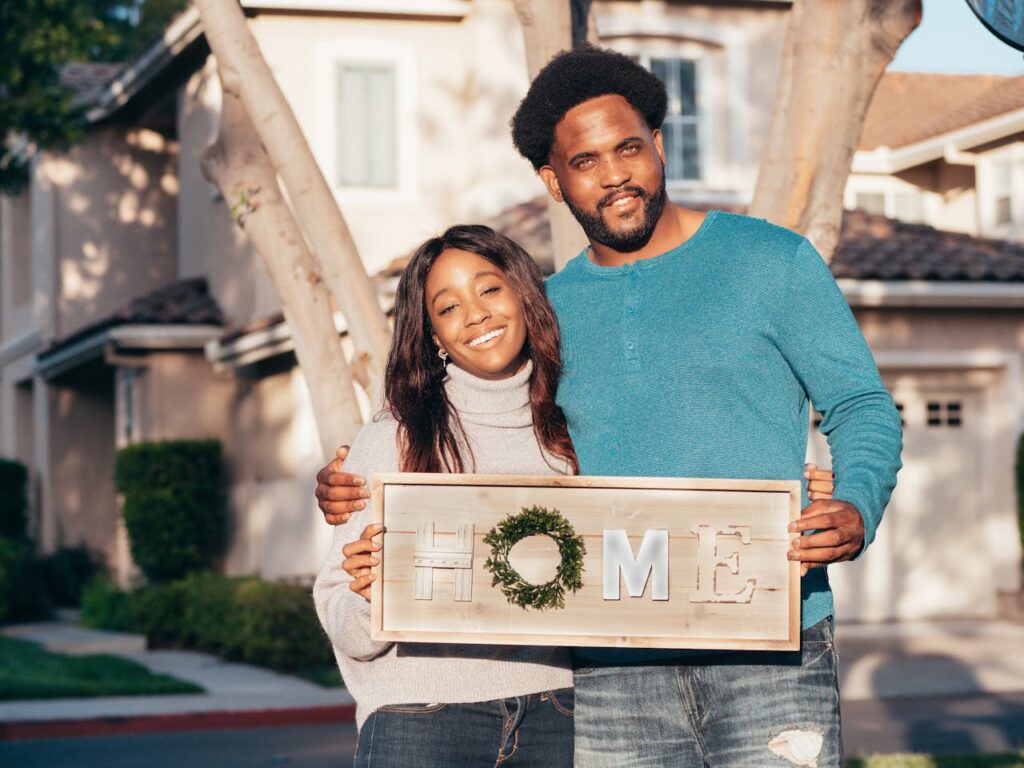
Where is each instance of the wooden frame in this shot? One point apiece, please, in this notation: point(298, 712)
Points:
point(732, 611)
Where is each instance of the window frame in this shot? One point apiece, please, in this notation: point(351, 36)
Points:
point(402, 59)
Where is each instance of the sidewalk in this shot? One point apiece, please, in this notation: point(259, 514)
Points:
point(877, 662)
point(237, 695)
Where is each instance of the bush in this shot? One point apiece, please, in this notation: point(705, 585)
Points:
point(280, 628)
point(104, 606)
point(212, 615)
point(22, 593)
point(13, 499)
point(174, 505)
point(66, 572)
point(158, 612)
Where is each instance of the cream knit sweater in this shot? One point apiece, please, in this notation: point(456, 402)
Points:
point(498, 423)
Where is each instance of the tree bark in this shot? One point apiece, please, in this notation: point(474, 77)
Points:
point(237, 163)
point(548, 29)
point(245, 73)
point(834, 54)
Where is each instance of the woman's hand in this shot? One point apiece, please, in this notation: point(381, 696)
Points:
point(339, 493)
point(359, 558)
point(819, 482)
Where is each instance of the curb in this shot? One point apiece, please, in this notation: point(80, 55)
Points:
point(185, 721)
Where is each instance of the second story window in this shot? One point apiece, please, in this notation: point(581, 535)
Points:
point(366, 145)
point(681, 131)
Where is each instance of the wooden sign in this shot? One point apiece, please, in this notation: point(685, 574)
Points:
point(657, 562)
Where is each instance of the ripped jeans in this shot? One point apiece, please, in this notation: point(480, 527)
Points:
point(724, 710)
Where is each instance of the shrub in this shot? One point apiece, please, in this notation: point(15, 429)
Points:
point(104, 606)
point(174, 505)
point(67, 571)
point(13, 499)
point(22, 593)
point(280, 628)
point(158, 613)
point(212, 616)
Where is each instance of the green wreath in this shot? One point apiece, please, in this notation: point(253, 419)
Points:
point(531, 522)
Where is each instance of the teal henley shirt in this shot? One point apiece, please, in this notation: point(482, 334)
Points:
point(701, 362)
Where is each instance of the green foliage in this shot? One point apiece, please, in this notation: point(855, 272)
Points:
point(937, 761)
point(212, 616)
point(174, 505)
point(36, 38)
point(531, 522)
point(22, 592)
point(29, 672)
point(66, 572)
point(104, 606)
point(157, 613)
point(13, 498)
point(280, 628)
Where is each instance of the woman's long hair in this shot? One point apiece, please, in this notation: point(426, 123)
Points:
point(428, 426)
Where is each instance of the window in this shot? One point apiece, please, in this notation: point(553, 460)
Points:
point(1002, 192)
point(945, 414)
point(682, 127)
point(366, 146)
point(906, 205)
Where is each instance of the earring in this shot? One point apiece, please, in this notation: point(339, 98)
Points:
point(443, 354)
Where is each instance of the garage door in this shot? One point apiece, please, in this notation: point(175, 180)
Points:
point(928, 559)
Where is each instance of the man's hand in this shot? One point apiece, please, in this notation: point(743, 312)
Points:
point(839, 534)
point(820, 482)
point(339, 494)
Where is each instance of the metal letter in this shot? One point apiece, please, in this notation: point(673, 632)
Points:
point(618, 558)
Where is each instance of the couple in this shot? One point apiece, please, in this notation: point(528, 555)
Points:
point(687, 346)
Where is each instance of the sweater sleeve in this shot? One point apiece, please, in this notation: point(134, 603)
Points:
point(816, 332)
point(345, 615)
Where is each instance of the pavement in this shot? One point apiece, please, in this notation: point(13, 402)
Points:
point(913, 670)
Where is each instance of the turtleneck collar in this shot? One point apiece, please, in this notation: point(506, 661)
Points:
point(491, 402)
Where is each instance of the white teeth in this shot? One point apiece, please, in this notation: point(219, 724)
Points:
point(624, 200)
point(486, 337)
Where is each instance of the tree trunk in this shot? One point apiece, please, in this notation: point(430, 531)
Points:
point(245, 73)
point(834, 54)
point(237, 163)
point(547, 29)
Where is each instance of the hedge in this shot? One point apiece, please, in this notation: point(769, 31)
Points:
point(270, 624)
point(13, 499)
point(174, 505)
point(22, 589)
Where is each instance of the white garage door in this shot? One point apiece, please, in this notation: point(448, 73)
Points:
point(928, 560)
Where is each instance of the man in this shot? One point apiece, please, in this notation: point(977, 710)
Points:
point(691, 344)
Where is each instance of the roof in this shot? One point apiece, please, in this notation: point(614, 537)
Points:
point(872, 247)
point(186, 302)
point(909, 107)
point(87, 78)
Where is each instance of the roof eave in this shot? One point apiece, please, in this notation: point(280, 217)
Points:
point(888, 160)
point(932, 294)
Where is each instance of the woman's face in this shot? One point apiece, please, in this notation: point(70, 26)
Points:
point(476, 316)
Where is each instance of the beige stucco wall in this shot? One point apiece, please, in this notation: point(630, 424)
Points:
point(15, 265)
point(114, 222)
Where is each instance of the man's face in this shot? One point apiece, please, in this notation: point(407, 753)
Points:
point(609, 168)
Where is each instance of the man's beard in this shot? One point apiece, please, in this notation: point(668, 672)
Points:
point(598, 231)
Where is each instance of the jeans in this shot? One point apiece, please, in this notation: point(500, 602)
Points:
point(532, 731)
point(750, 709)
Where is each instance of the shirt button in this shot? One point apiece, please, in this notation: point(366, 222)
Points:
point(631, 346)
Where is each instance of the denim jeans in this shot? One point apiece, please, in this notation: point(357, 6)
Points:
point(532, 731)
point(727, 710)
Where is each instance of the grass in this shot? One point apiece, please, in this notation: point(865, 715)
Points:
point(944, 761)
point(29, 672)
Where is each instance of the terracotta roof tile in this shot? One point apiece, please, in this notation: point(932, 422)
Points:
point(912, 106)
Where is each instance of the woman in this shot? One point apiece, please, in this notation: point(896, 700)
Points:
point(470, 386)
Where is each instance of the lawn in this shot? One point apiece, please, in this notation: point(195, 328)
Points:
point(945, 761)
point(29, 672)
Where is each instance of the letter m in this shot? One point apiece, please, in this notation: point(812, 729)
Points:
point(652, 557)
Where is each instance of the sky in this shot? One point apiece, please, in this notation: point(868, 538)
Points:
point(951, 39)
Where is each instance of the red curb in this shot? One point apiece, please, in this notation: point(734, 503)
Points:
point(189, 721)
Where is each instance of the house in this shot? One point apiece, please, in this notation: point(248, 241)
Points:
point(132, 309)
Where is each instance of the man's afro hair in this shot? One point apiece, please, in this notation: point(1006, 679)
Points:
point(573, 77)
